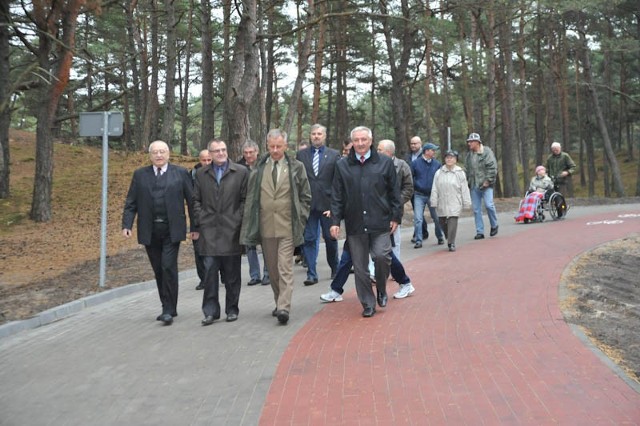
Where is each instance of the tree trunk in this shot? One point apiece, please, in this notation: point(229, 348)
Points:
point(185, 84)
point(304, 50)
point(318, 64)
point(5, 94)
point(524, 101)
point(618, 185)
point(169, 109)
point(243, 78)
point(207, 129)
point(41, 210)
point(398, 65)
point(508, 136)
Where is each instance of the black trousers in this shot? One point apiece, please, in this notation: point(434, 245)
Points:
point(229, 267)
point(163, 255)
point(199, 262)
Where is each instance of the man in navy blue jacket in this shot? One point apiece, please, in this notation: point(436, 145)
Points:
point(423, 170)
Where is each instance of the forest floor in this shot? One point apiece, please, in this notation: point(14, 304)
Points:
point(43, 265)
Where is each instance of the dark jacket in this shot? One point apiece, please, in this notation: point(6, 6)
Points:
point(139, 202)
point(423, 172)
point(366, 196)
point(218, 209)
point(321, 184)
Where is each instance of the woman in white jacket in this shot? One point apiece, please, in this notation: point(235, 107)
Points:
point(450, 195)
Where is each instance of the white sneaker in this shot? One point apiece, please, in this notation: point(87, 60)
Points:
point(405, 290)
point(332, 296)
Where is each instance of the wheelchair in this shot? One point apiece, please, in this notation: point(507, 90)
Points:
point(552, 202)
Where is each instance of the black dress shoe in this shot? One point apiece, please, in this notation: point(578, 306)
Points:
point(200, 286)
point(254, 282)
point(283, 317)
point(440, 241)
point(493, 232)
point(208, 320)
point(479, 237)
point(418, 245)
point(382, 299)
point(232, 317)
point(310, 281)
point(167, 319)
point(368, 312)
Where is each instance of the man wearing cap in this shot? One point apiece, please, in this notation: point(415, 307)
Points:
point(423, 169)
point(482, 168)
point(560, 167)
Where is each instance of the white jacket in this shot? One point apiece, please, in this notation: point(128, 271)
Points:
point(450, 192)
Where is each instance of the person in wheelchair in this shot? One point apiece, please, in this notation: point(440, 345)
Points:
point(541, 188)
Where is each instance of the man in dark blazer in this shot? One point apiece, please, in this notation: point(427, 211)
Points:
point(157, 195)
point(219, 196)
point(319, 162)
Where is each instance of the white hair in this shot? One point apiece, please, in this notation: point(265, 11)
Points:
point(556, 145)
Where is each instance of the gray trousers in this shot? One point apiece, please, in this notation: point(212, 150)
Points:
point(377, 245)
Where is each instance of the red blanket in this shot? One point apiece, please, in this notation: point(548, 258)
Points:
point(528, 207)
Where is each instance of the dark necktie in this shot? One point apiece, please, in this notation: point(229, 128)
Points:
point(158, 172)
point(362, 159)
point(274, 173)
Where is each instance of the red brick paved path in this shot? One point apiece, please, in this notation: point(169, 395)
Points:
point(481, 341)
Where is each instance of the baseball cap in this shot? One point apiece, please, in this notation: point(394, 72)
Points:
point(430, 145)
point(474, 137)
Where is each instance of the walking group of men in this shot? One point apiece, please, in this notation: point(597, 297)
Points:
point(280, 203)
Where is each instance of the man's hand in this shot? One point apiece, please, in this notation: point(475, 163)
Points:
point(126, 233)
point(394, 226)
point(334, 231)
point(195, 235)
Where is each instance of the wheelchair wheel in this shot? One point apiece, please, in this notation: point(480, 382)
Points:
point(557, 206)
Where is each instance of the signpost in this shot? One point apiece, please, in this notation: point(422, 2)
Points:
point(105, 124)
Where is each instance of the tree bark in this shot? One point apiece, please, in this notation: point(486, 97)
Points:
point(618, 185)
point(243, 78)
point(47, 18)
point(5, 94)
point(207, 128)
point(169, 109)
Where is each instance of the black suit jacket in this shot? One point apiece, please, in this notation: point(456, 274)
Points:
point(321, 184)
point(139, 201)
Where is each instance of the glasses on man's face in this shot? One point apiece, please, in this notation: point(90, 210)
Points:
point(218, 150)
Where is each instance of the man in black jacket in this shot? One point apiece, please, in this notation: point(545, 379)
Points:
point(157, 195)
point(366, 196)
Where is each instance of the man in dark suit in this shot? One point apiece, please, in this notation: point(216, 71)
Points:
point(319, 162)
point(204, 159)
point(157, 195)
point(219, 197)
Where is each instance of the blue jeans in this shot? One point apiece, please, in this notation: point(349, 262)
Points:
point(420, 202)
point(254, 264)
point(344, 268)
point(477, 196)
point(317, 223)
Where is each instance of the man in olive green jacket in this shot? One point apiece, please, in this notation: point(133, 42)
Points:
point(561, 167)
point(275, 214)
point(481, 168)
